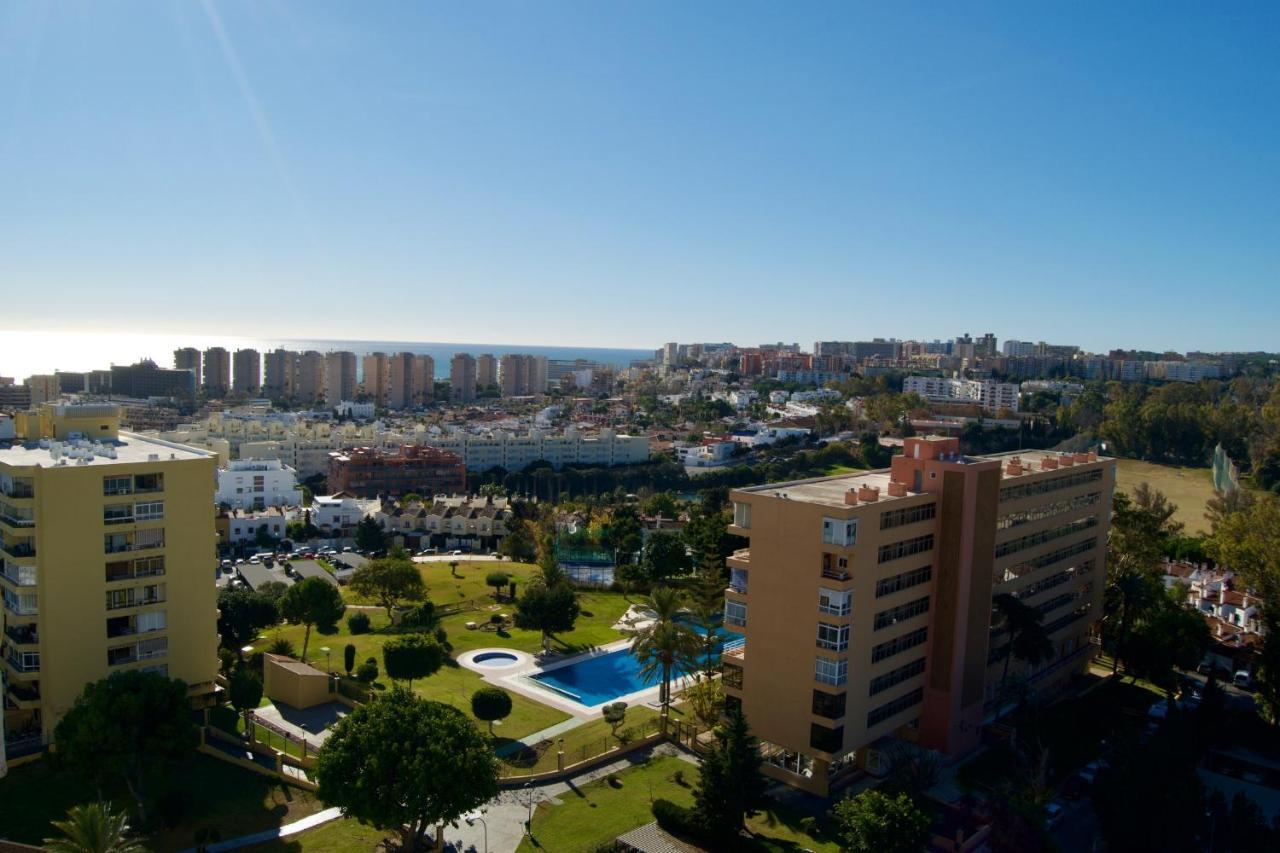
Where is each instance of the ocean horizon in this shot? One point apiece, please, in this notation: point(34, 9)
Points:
point(25, 353)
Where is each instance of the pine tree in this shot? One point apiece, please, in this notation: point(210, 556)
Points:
point(729, 784)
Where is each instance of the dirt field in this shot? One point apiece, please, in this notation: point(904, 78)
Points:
point(1189, 488)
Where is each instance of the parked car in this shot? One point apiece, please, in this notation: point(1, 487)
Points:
point(1242, 679)
point(457, 553)
point(1053, 812)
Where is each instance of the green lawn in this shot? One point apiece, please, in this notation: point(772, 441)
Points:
point(581, 743)
point(211, 793)
point(1189, 488)
point(600, 812)
point(336, 836)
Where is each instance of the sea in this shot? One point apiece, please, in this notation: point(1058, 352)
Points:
point(25, 353)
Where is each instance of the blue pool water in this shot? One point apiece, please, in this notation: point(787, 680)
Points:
point(603, 678)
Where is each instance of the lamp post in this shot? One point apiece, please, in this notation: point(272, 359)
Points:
point(327, 668)
point(471, 821)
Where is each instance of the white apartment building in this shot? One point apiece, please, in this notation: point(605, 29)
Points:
point(335, 513)
point(359, 411)
point(1182, 371)
point(990, 395)
point(251, 484)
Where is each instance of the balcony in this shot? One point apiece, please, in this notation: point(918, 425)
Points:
point(25, 696)
point(740, 557)
point(15, 517)
point(18, 550)
point(15, 576)
point(20, 489)
point(22, 635)
point(833, 570)
point(24, 664)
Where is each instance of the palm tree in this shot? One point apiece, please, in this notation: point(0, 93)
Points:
point(1028, 641)
point(667, 645)
point(93, 828)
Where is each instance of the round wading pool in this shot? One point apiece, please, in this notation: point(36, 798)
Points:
point(494, 659)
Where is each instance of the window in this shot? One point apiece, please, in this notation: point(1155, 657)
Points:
point(151, 621)
point(148, 483)
point(898, 517)
point(1045, 560)
point(899, 644)
point(831, 671)
point(894, 707)
point(1026, 490)
point(117, 486)
point(902, 581)
point(1033, 539)
point(824, 739)
point(833, 637)
point(1026, 516)
point(829, 705)
point(834, 601)
point(119, 514)
point(906, 548)
point(738, 580)
point(731, 675)
point(149, 511)
point(742, 515)
point(881, 683)
point(894, 615)
point(838, 531)
point(735, 613)
point(149, 539)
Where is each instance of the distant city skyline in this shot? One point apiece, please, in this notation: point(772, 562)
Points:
point(612, 175)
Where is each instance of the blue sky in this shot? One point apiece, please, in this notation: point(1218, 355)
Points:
point(623, 174)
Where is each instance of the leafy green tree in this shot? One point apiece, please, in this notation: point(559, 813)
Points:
point(312, 601)
point(93, 828)
point(625, 533)
point(730, 785)
point(497, 580)
point(349, 658)
point(131, 726)
point(518, 544)
point(664, 557)
point(493, 490)
point(875, 822)
point(369, 534)
point(246, 692)
point(242, 613)
point(548, 609)
point(667, 646)
point(1135, 545)
point(1173, 637)
point(661, 505)
point(708, 611)
point(489, 704)
point(1028, 641)
point(368, 671)
point(263, 538)
point(549, 569)
point(389, 581)
point(273, 591)
point(615, 714)
point(411, 656)
point(706, 700)
point(403, 764)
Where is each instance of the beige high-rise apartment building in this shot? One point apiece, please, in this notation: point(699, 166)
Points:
point(411, 380)
point(247, 377)
point(310, 384)
point(339, 377)
point(44, 388)
point(462, 378)
point(486, 371)
point(280, 374)
point(187, 358)
point(106, 562)
point(217, 372)
point(376, 378)
point(865, 600)
point(521, 375)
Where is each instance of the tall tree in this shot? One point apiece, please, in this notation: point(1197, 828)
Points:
point(1172, 637)
point(312, 601)
point(625, 533)
point(93, 828)
point(876, 822)
point(404, 764)
point(130, 725)
point(730, 785)
point(411, 656)
point(667, 646)
point(389, 581)
point(708, 611)
point(369, 534)
point(246, 692)
point(1135, 545)
point(665, 556)
point(550, 610)
point(490, 704)
point(1028, 641)
point(242, 613)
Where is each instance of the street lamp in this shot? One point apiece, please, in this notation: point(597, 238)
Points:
point(471, 821)
point(327, 667)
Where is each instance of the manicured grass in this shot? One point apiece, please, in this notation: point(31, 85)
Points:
point(600, 812)
point(832, 470)
point(336, 836)
point(581, 743)
point(215, 794)
point(1189, 488)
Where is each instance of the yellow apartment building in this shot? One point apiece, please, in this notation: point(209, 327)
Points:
point(865, 600)
point(106, 562)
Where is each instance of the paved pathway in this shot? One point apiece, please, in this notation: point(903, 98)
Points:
point(537, 737)
point(288, 829)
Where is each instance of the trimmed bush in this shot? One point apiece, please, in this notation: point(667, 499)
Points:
point(282, 646)
point(368, 671)
point(675, 818)
point(358, 623)
point(497, 619)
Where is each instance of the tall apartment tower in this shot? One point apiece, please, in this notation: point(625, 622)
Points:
point(486, 371)
point(106, 543)
point(279, 374)
point(865, 600)
point(44, 388)
point(217, 372)
point(247, 376)
point(519, 375)
point(376, 378)
point(187, 358)
point(462, 378)
point(671, 354)
point(411, 378)
point(339, 377)
point(310, 383)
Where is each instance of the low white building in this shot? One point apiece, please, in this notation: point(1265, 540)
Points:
point(257, 484)
point(709, 454)
point(742, 398)
point(358, 411)
point(340, 512)
point(990, 395)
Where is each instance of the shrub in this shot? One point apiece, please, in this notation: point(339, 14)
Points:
point(368, 671)
point(282, 646)
point(358, 623)
point(497, 619)
point(489, 704)
point(349, 657)
point(421, 618)
point(675, 818)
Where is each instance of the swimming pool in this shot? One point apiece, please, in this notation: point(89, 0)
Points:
point(603, 678)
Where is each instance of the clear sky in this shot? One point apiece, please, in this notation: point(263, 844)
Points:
point(607, 173)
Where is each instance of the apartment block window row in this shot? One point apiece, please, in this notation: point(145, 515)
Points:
point(116, 543)
point(136, 596)
point(141, 650)
point(834, 601)
point(834, 638)
point(906, 548)
point(731, 675)
point(899, 644)
point(142, 623)
point(742, 515)
point(894, 615)
point(128, 513)
point(881, 683)
point(829, 705)
point(889, 709)
point(1044, 560)
point(839, 531)
point(143, 567)
point(738, 580)
point(1056, 579)
point(904, 580)
point(833, 671)
point(735, 613)
point(1031, 540)
point(1026, 516)
point(17, 517)
point(24, 661)
point(21, 604)
point(1041, 487)
point(1066, 619)
point(129, 485)
point(18, 575)
point(824, 739)
point(898, 517)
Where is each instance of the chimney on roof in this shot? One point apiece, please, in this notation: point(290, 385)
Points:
point(897, 490)
point(1066, 460)
point(851, 497)
point(1014, 468)
point(869, 494)
point(1049, 463)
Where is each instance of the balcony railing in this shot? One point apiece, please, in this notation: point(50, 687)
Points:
point(18, 491)
point(15, 519)
point(15, 549)
point(24, 693)
point(23, 635)
point(13, 574)
point(16, 661)
point(135, 602)
point(836, 573)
